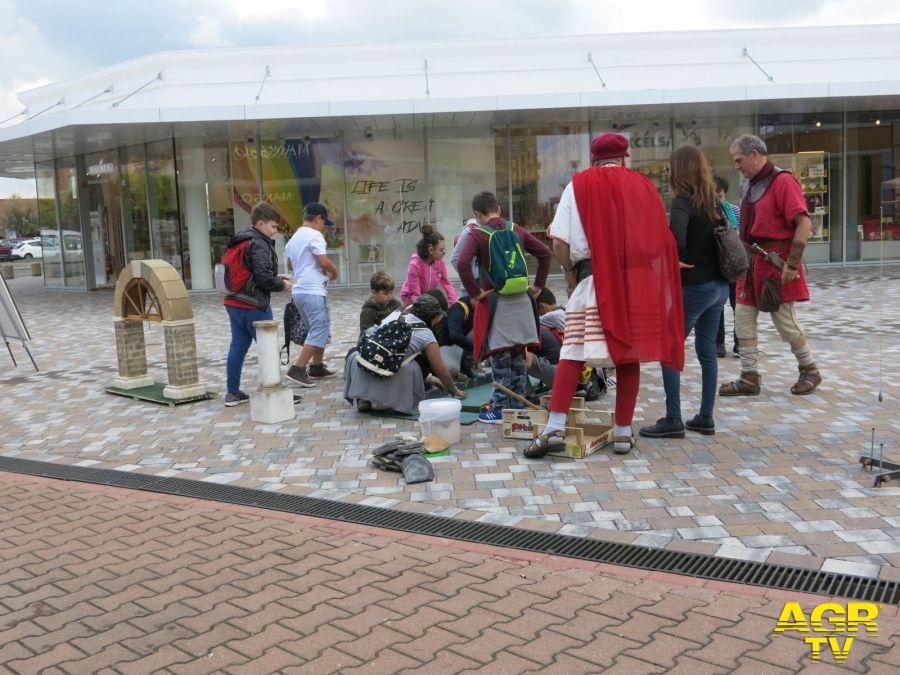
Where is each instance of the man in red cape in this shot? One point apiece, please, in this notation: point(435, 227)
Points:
point(611, 237)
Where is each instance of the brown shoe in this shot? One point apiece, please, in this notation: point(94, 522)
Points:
point(809, 380)
point(748, 385)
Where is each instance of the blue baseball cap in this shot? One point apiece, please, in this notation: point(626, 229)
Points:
point(317, 209)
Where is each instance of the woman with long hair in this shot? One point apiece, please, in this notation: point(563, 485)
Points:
point(427, 269)
point(694, 214)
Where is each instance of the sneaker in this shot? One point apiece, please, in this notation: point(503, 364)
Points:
point(665, 427)
point(319, 370)
point(299, 375)
point(491, 416)
point(232, 400)
point(363, 406)
point(297, 399)
point(736, 350)
point(720, 351)
point(701, 424)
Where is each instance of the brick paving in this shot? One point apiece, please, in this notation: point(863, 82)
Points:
point(103, 580)
point(780, 480)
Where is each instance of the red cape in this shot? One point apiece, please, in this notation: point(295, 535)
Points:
point(634, 259)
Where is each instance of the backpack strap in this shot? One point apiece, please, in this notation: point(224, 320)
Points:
point(465, 309)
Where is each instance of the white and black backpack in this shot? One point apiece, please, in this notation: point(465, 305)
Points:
point(382, 352)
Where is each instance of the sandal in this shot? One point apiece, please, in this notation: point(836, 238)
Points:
point(748, 385)
point(623, 440)
point(545, 443)
point(808, 381)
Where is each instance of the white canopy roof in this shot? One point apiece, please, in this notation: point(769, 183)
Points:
point(449, 76)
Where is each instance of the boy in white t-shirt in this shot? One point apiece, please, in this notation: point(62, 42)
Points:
point(312, 270)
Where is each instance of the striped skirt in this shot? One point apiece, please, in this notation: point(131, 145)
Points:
point(584, 340)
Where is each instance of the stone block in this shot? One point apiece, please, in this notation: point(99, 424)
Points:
point(271, 405)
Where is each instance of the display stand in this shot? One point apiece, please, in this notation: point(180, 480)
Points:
point(12, 327)
point(888, 470)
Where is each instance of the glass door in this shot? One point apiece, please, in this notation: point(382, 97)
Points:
point(105, 213)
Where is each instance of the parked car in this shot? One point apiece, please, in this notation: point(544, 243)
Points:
point(28, 249)
point(6, 247)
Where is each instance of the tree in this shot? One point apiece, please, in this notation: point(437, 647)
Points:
point(19, 215)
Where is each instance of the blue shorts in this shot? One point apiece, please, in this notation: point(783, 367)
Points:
point(317, 315)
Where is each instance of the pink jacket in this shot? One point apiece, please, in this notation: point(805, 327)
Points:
point(421, 277)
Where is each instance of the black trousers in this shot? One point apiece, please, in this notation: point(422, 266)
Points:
point(732, 298)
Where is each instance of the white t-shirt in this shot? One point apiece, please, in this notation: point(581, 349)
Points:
point(301, 250)
point(567, 226)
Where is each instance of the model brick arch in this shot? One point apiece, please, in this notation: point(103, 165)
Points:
point(152, 290)
point(165, 284)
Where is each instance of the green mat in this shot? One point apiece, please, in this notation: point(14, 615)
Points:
point(154, 394)
point(476, 398)
point(465, 418)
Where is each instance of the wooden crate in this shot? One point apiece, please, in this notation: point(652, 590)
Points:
point(584, 434)
point(518, 423)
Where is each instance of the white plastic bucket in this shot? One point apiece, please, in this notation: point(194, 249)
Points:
point(440, 417)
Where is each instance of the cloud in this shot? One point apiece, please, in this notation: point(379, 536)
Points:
point(207, 33)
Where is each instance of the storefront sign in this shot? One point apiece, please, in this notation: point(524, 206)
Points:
point(101, 168)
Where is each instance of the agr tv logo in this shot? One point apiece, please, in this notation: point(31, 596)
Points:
point(830, 617)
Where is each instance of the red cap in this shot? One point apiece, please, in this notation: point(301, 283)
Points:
point(609, 146)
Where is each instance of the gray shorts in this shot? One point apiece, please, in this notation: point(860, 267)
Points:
point(317, 315)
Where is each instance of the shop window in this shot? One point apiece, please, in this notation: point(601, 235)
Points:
point(104, 208)
point(46, 199)
point(135, 219)
point(69, 246)
point(462, 163)
point(809, 145)
point(387, 201)
point(873, 147)
point(542, 161)
point(302, 169)
point(204, 192)
point(165, 224)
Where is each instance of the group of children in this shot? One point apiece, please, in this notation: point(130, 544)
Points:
point(519, 331)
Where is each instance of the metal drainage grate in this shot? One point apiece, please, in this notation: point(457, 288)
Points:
point(698, 565)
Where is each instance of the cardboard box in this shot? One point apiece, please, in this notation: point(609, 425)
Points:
point(583, 436)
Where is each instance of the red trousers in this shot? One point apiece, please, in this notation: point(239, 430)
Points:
point(565, 382)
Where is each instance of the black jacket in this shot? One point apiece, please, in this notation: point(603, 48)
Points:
point(696, 243)
point(263, 263)
point(460, 319)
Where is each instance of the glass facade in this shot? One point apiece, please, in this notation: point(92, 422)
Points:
point(181, 199)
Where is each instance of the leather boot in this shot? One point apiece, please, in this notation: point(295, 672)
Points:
point(809, 380)
point(748, 385)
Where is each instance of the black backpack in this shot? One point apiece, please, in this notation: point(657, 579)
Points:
point(382, 352)
point(295, 330)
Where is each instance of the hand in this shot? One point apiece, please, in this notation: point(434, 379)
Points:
point(482, 295)
point(332, 275)
point(684, 266)
point(286, 277)
point(788, 275)
point(535, 291)
point(288, 282)
point(459, 393)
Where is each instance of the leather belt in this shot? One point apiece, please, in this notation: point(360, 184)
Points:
point(582, 270)
point(771, 243)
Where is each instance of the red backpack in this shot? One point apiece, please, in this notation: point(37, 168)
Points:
point(232, 273)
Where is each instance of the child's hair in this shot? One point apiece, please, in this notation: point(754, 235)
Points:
point(381, 281)
point(438, 295)
point(546, 297)
point(430, 237)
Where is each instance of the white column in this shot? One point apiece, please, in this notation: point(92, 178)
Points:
point(273, 402)
point(193, 184)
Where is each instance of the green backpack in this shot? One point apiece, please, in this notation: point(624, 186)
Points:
point(506, 266)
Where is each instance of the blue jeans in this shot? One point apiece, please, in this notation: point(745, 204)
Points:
point(242, 334)
point(703, 306)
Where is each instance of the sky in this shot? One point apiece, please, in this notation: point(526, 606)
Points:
point(44, 41)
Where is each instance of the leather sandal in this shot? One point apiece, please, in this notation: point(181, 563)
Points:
point(809, 380)
point(545, 443)
point(623, 440)
point(748, 385)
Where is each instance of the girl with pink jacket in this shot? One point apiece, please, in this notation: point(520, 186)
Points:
point(427, 269)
